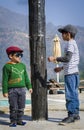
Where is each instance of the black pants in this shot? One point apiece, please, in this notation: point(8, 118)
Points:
point(16, 103)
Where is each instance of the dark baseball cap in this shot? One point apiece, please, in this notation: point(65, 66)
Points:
point(13, 49)
point(68, 28)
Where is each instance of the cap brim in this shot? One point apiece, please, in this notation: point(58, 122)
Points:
point(61, 30)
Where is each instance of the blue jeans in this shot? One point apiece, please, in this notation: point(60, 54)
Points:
point(71, 94)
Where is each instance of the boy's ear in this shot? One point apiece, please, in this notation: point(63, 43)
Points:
point(10, 56)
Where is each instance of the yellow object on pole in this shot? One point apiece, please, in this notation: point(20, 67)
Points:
point(56, 47)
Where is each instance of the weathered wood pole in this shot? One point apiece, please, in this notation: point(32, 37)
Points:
point(38, 59)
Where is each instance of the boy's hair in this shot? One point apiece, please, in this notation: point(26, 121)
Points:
point(17, 54)
point(72, 34)
point(11, 53)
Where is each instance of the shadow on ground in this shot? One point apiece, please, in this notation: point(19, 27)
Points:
point(4, 118)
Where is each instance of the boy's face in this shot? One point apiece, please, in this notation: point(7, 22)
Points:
point(66, 36)
point(16, 57)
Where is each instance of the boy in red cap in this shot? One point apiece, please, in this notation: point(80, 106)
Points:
point(14, 81)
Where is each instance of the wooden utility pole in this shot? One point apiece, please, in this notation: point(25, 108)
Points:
point(38, 59)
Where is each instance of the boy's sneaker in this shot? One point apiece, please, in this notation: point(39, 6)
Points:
point(67, 120)
point(13, 124)
point(76, 117)
point(21, 123)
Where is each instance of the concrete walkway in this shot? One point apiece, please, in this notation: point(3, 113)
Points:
point(56, 112)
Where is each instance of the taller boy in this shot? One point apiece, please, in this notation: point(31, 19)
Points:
point(70, 65)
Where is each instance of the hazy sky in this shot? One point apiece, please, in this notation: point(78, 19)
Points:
point(59, 12)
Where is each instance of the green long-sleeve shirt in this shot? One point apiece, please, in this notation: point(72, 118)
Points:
point(15, 75)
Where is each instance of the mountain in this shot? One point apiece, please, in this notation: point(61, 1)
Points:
point(12, 20)
point(14, 31)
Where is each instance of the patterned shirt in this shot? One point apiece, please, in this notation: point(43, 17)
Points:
point(71, 66)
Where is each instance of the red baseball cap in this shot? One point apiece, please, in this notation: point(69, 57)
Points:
point(13, 49)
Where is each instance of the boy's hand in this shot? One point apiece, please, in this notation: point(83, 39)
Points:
point(51, 59)
point(58, 69)
point(5, 94)
point(30, 90)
